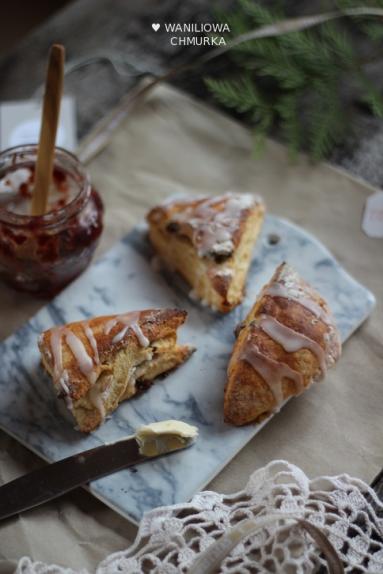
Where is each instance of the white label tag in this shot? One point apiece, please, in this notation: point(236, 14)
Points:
point(20, 123)
point(372, 223)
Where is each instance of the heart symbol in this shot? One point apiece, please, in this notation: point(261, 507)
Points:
point(156, 27)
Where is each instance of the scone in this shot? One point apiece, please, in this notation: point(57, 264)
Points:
point(98, 363)
point(209, 241)
point(288, 340)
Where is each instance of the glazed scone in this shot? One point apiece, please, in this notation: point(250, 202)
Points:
point(288, 340)
point(209, 241)
point(98, 363)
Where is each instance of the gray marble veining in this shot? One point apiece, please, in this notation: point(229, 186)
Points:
point(124, 280)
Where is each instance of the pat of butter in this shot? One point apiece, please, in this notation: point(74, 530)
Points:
point(165, 436)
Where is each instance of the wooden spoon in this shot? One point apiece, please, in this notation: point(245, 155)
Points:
point(50, 116)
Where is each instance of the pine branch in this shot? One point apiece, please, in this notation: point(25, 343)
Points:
point(285, 73)
point(326, 121)
point(258, 13)
point(240, 94)
point(374, 31)
point(371, 96)
point(293, 80)
point(261, 131)
point(339, 43)
point(288, 110)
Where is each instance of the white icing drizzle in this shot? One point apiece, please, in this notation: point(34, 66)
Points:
point(272, 372)
point(64, 385)
point(226, 272)
point(55, 342)
point(60, 376)
point(280, 290)
point(129, 321)
point(84, 360)
point(68, 402)
point(93, 343)
point(109, 326)
point(214, 220)
point(95, 397)
point(121, 334)
point(291, 340)
point(288, 286)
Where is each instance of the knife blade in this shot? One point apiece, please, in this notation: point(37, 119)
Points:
point(57, 478)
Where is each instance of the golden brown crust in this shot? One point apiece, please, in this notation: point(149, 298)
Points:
point(209, 242)
point(89, 419)
point(167, 216)
point(154, 323)
point(113, 353)
point(221, 284)
point(248, 395)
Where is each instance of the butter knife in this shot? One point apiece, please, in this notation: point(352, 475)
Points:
point(57, 478)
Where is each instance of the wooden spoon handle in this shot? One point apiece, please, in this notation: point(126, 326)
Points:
point(50, 117)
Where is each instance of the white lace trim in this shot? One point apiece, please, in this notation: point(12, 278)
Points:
point(170, 539)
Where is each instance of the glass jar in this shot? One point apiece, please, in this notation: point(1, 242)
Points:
point(41, 254)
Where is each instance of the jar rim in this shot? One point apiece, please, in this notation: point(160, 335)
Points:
point(51, 218)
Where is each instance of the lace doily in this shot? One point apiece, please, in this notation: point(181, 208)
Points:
point(255, 530)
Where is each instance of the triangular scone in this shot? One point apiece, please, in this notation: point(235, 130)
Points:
point(98, 363)
point(209, 241)
point(287, 341)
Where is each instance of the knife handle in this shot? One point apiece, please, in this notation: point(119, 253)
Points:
point(53, 480)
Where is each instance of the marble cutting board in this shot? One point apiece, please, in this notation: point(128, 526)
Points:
point(124, 280)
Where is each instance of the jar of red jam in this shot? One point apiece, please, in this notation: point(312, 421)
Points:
point(41, 254)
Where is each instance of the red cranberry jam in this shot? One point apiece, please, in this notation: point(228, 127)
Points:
point(42, 254)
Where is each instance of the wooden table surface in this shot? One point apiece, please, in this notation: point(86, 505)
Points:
point(119, 33)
